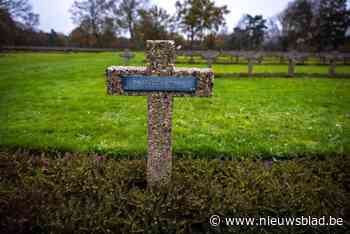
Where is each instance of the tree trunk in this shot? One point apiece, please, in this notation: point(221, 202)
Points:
point(131, 31)
point(192, 39)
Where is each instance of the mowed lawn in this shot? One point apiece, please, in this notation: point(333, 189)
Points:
point(58, 102)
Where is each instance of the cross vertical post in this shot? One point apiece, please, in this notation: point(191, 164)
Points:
point(291, 67)
point(250, 66)
point(332, 59)
point(251, 57)
point(332, 64)
point(127, 55)
point(161, 57)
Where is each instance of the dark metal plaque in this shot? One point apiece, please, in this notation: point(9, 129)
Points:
point(159, 83)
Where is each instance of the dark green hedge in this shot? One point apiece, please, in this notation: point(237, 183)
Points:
point(92, 194)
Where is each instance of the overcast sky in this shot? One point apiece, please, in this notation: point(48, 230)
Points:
point(54, 14)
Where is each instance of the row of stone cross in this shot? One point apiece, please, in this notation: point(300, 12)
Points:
point(256, 57)
point(161, 82)
point(259, 55)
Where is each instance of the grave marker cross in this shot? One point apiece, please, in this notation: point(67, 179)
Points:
point(127, 55)
point(160, 81)
point(251, 57)
point(292, 58)
point(332, 59)
point(210, 57)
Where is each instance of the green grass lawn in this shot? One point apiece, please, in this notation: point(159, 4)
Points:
point(59, 102)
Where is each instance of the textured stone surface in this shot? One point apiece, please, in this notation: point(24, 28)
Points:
point(160, 106)
point(161, 57)
point(205, 79)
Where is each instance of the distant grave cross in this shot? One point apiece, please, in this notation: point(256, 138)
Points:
point(292, 58)
point(210, 57)
point(160, 82)
point(251, 57)
point(332, 59)
point(127, 55)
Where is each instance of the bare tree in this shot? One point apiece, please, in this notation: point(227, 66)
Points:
point(153, 24)
point(334, 22)
point(250, 32)
point(92, 13)
point(21, 10)
point(127, 14)
point(273, 34)
point(299, 26)
point(196, 17)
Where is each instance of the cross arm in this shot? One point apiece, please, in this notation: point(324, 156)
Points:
point(204, 79)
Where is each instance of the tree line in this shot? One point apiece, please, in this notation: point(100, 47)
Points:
point(304, 25)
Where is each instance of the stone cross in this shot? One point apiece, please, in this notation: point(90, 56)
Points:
point(303, 57)
point(232, 54)
point(127, 55)
point(160, 82)
point(251, 57)
point(209, 56)
point(322, 58)
point(281, 57)
point(332, 59)
point(292, 59)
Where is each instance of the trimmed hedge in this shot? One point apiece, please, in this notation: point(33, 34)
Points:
point(95, 194)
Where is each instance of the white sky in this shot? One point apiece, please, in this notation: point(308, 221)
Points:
point(54, 14)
